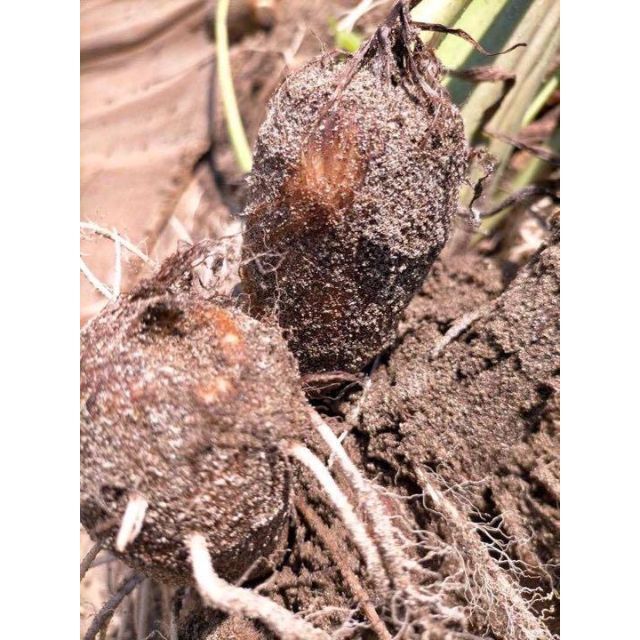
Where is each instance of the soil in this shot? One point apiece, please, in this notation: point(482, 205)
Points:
point(483, 411)
point(434, 415)
point(463, 403)
point(412, 431)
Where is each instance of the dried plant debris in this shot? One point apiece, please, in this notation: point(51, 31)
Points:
point(355, 182)
point(184, 403)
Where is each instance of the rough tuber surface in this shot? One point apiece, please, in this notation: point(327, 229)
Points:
point(355, 182)
point(185, 401)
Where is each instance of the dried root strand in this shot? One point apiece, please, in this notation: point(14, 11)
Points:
point(524, 145)
point(95, 282)
point(221, 595)
point(116, 237)
point(360, 594)
point(105, 614)
point(484, 74)
point(460, 33)
point(352, 522)
point(500, 591)
point(457, 328)
point(120, 243)
point(87, 561)
point(397, 20)
point(522, 195)
point(395, 560)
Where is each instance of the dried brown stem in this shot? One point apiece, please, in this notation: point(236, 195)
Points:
point(526, 193)
point(87, 561)
point(108, 609)
point(524, 145)
point(328, 539)
point(460, 33)
point(483, 74)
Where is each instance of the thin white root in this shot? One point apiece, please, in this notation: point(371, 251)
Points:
point(95, 281)
point(225, 597)
point(396, 561)
point(112, 235)
point(132, 522)
point(502, 588)
point(349, 517)
point(458, 327)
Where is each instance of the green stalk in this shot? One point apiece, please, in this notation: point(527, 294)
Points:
point(530, 71)
point(535, 166)
point(476, 20)
point(486, 94)
point(541, 99)
point(237, 136)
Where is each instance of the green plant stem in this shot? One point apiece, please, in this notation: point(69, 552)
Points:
point(530, 72)
point(237, 136)
point(541, 99)
point(444, 12)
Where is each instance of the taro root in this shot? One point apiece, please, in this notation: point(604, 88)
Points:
point(185, 402)
point(354, 187)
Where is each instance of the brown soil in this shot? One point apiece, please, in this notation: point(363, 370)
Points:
point(483, 411)
point(426, 415)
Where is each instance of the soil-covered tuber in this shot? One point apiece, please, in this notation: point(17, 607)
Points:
point(354, 186)
point(184, 404)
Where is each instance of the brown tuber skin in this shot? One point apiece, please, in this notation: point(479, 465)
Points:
point(354, 187)
point(186, 401)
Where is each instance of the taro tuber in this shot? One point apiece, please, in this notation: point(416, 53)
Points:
point(184, 404)
point(354, 187)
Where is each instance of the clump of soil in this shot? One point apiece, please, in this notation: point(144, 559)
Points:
point(184, 403)
point(355, 182)
point(472, 482)
point(481, 409)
